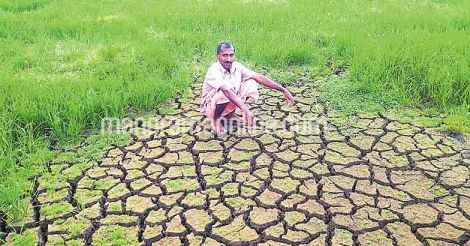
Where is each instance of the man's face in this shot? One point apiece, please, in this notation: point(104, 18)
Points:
point(226, 57)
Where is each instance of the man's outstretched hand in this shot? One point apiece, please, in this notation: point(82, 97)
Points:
point(273, 85)
point(289, 98)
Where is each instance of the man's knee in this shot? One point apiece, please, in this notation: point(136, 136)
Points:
point(251, 82)
point(220, 98)
point(250, 89)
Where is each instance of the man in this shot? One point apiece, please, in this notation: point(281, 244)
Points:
point(228, 85)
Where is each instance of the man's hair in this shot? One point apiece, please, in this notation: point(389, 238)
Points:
point(224, 45)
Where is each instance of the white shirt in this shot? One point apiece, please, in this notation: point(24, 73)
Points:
point(217, 76)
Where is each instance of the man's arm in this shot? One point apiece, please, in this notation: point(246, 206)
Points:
point(247, 114)
point(273, 85)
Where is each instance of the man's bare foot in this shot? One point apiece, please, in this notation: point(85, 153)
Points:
point(217, 126)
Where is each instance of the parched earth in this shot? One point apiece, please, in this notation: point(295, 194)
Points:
point(299, 178)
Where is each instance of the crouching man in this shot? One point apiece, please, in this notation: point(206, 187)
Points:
point(228, 85)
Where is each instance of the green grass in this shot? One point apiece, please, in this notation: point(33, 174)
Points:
point(15, 207)
point(458, 121)
point(63, 71)
point(351, 97)
point(26, 238)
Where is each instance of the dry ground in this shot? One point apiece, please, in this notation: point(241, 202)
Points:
point(379, 181)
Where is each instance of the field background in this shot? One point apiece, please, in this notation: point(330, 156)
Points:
point(66, 64)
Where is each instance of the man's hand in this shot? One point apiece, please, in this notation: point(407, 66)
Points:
point(289, 98)
point(273, 85)
point(248, 116)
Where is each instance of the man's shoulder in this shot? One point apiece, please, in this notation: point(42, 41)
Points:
point(213, 71)
point(242, 68)
point(237, 64)
point(214, 65)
